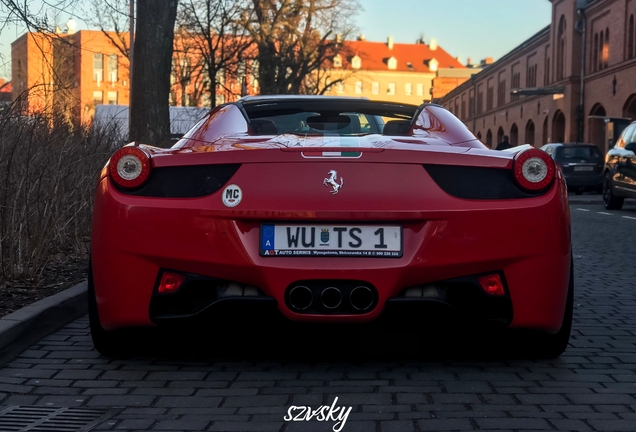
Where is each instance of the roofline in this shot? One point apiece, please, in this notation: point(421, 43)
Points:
point(532, 39)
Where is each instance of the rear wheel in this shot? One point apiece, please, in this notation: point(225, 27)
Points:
point(115, 343)
point(611, 201)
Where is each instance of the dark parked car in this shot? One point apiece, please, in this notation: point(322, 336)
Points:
point(582, 165)
point(619, 180)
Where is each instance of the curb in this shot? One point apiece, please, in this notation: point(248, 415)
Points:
point(24, 327)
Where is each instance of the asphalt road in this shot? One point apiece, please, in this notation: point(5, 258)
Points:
point(248, 379)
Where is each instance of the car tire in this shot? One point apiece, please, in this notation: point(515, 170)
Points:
point(115, 343)
point(552, 345)
point(611, 201)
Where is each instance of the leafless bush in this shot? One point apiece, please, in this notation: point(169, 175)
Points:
point(48, 172)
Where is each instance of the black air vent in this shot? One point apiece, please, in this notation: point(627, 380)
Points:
point(186, 181)
point(36, 418)
point(478, 182)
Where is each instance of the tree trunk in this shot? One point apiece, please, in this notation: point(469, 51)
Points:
point(149, 110)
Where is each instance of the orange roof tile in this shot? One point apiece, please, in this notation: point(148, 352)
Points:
point(375, 55)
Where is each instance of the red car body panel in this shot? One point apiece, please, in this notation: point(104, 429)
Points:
point(443, 236)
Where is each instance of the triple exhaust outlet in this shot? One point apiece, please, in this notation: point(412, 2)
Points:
point(330, 299)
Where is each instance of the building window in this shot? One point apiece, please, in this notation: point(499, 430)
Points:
point(606, 49)
point(516, 83)
point(375, 88)
point(392, 63)
point(337, 61)
point(420, 89)
point(630, 38)
point(463, 107)
point(480, 100)
point(112, 98)
point(340, 87)
point(594, 67)
point(501, 93)
point(98, 68)
point(112, 68)
point(98, 97)
point(408, 89)
point(358, 87)
point(391, 89)
point(356, 62)
point(490, 96)
point(560, 73)
point(531, 76)
point(601, 46)
point(547, 70)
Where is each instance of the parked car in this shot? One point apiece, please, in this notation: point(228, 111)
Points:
point(582, 165)
point(619, 180)
point(316, 208)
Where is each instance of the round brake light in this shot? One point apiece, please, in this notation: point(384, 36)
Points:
point(129, 167)
point(533, 169)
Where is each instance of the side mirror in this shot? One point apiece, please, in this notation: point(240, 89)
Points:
point(631, 147)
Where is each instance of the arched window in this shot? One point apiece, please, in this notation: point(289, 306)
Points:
point(561, 50)
point(630, 38)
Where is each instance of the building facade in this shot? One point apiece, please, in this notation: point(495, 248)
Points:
point(574, 80)
point(388, 71)
point(68, 73)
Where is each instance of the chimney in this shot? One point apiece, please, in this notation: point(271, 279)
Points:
point(338, 38)
point(389, 42)
point(362, 37)
point(487, 61)
point(432, 44)
point(469, 62)
point(420, 41)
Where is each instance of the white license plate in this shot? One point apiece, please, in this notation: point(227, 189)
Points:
point(378, 241)
point(583, 168)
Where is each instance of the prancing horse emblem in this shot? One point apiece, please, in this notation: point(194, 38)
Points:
point(332, 181)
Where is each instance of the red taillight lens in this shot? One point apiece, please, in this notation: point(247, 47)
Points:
point(492, 285)
point(170, 282)
point(533, 169)
point(129, 167)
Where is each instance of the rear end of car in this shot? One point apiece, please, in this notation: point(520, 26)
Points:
point(582, 166)
point(330, 234)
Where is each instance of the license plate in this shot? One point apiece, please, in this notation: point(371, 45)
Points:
point(377, 241)
point(583, 168)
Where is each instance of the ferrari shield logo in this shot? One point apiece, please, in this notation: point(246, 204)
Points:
point(324, 236)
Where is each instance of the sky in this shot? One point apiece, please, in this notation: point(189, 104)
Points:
point(464, 28)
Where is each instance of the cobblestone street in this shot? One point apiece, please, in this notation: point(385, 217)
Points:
point(394, 385)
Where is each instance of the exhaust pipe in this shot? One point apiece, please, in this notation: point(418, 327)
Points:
point(361, 298)
point(300, 297)
point(331, 297)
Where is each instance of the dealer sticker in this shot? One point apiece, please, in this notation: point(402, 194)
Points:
point(232, 195)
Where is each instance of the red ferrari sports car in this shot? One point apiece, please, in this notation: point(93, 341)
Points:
point(331, 210)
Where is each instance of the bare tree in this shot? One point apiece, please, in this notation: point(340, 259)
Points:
point(154, 34)
point(214, 28)
point(295, 39)
point(112, 18)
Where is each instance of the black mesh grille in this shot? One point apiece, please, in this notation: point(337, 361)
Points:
point(186, 181)
point(478, 182)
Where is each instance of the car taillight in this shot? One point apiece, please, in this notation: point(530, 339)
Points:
point(129, 167)
point(533, 169)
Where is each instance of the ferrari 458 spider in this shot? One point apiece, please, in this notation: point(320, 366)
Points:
point(331, 210)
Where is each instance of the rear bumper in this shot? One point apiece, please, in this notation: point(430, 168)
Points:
point(593, 180)
point(527, 240)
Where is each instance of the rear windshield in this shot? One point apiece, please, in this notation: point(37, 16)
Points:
point(324, 117)
point(581, 152)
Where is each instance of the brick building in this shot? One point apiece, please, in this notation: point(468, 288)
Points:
point(534, 93)
point(69, 73)
point(389, 71)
